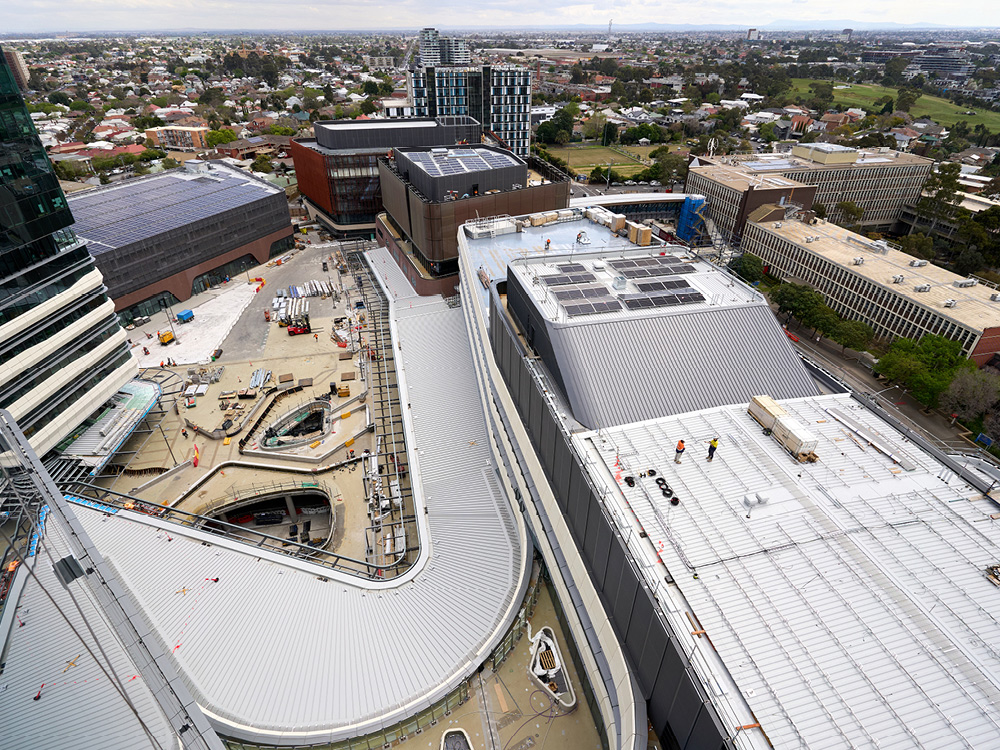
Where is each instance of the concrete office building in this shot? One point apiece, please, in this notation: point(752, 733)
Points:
point(429, 193)
point(162, 238)
point(897, 294)
point(733, 195)
point(337, 169)
point(498, 96)
point(17, 66)
point(774, 597)
point(63, 353)
point(440, 50)
point(879, 181)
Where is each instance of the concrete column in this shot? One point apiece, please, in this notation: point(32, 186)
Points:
point(290, 504)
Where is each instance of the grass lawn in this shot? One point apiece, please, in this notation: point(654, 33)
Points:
point(940, 110)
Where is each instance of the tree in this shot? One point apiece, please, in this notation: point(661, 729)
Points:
point(969, 261)
point(262, 164)
point(169, 163)
point(852, 334)
point(370, 88)
point(594, 127)
point(894, 70)
point(562, 121)
point(919, 245)
point(851, 212)
point(926, 367)
point(941, 193)
point(972, 393)
point(906, 98)
point(767, 132)
point(797, 300)
point(60, 97)
point(672, 167)
point(217, 137)
point(820, 210)
point(823, 320)
point(748, 267)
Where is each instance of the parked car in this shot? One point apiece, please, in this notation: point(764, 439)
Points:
point(654, 183)
point(629, 182)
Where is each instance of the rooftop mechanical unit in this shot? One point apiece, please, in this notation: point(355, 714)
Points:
point(965, 283)
point(922, 288)
point(950, 303)
point(918, 263)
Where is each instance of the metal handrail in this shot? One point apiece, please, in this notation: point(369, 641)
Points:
point(123, 501)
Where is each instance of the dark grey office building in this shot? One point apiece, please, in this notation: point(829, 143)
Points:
point(160, 239)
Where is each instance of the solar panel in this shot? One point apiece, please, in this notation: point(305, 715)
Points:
point(581, 292)
point(658, 286)
point(571, 267)
point(592, 308)
point(567, 278)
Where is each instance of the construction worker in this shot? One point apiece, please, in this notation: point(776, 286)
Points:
point(679, 451)
point(315, 337)
point(547, 243)
point(713, 445)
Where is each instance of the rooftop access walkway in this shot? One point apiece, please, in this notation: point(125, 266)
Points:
point(280, 651)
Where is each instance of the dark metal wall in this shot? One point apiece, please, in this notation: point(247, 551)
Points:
point(679, 710)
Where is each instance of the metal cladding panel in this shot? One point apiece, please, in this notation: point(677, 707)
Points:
point(547, 445)
point(654, 649)
point(671, 678)
point(628, 585)
point(707, 731)
point(564, 464)
point(314, 669)
point(671, 364)
point(599, 562)
point(612, 579)
point(683, 714)
point(77, 700)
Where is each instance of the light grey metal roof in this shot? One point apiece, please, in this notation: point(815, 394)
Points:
point(851, 609)
point(393, 278)
point(79, 707)
point(274, 653)
point(638, 368)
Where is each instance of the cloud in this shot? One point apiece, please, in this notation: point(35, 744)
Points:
point(338, 15)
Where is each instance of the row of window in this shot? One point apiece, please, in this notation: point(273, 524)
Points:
point(854, 296)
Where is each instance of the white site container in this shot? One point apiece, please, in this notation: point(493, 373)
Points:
point(794, 436)
point(765, 410)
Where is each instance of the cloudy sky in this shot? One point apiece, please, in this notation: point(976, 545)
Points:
point(19, 16)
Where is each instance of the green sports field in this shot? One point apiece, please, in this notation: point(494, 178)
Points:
point(863, 95)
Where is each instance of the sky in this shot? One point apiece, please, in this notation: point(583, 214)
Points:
point(27, 16)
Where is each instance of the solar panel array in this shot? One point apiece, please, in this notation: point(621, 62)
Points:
point(458, 161)
point(645, 268)
point(559, 279)
point(571, 267)
point(131, 213)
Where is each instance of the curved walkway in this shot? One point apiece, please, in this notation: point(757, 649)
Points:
point(279, 653)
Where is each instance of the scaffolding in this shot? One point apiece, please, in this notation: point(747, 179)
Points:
point(391, 535)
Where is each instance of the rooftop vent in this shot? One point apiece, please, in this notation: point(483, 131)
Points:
point(922, 288)
point(897, 279)
point(917, 263)
point(965, 283)
point(619, 283)
point(950, 303)
point(859, 261)
point(995, 297)
point(810, 238)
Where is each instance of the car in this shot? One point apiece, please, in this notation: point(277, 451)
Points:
point(654, 183)
point(629, 182)
point(643, 182)
point(616, 184)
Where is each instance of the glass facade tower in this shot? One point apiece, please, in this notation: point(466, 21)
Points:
point(62, 352)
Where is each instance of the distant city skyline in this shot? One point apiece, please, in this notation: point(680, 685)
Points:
point(38, 16)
